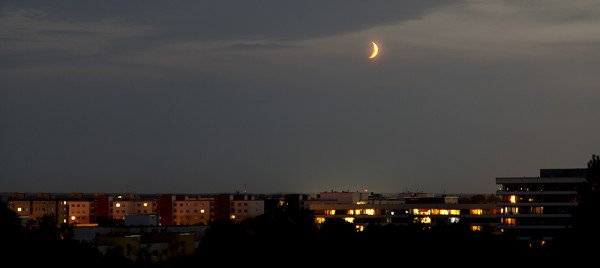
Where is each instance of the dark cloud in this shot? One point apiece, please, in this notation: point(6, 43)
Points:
point(210, 20)
point(111, 29)
point(258, 46)
point(202, 96)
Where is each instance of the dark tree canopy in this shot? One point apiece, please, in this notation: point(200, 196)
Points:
point(587, 214)
point(593, 173)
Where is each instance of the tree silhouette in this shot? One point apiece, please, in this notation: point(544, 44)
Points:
point(10, 224)
point(586, 219)
point(586, 216)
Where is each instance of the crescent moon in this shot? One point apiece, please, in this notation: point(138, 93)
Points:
point(375, 51)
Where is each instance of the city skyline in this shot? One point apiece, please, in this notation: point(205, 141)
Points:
point(270, 96)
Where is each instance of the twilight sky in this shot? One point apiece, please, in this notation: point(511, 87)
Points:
point(277, 96)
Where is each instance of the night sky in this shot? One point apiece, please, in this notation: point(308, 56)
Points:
point(281, 96)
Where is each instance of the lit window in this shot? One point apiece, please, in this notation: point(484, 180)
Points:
point(118, 205)
point(370, 211)
point(145, 204)
point(319, 220)
point(476, 211)
point(513, 199)
point(417, 211)
point(19, 209)
point(73, 218)
point(476, 228)
point(510, 221)
point(511, 210)
point(202, 211)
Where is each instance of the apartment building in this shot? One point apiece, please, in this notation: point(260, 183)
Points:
point(538, 208)
point(238, 207)
point(426, 208)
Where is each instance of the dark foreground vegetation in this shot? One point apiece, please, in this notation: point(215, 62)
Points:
point(281, 238)
point(290, 239)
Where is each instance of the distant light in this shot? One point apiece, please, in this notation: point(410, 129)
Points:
point(73, 218)
point(19, 209)
point(64, 202)
point(232, 217)
point(202, 211)
point(118, 205)
point(64, 220)
point(145, 204)
point(392, 213)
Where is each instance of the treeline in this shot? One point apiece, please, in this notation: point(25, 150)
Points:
point(45, 242)
point(293, 238)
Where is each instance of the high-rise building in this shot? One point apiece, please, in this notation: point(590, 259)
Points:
point(540, 208)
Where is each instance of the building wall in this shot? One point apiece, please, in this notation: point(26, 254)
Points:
point(22, 207)
point(120, 208)
point(164, 208)
point(429, 211)
point(345, 197)
point(80, 211)
point(244, 209)
point(141, 220)
point(102, 207)
point(42, 207)
point(295, 202)
point(145, 207)
point(192, 211)
point(62, 211)
point(129, 245)
point(222, 207)
point(538, 208)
